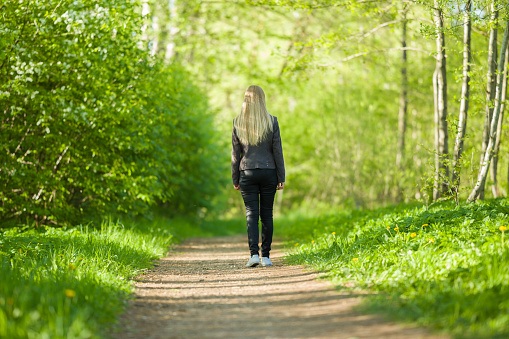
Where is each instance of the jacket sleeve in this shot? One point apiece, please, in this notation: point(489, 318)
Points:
point(277, 149)
point(236, 155)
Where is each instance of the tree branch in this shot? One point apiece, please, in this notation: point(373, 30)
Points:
point(356, 55)
point(384, 25)
point(60, 158)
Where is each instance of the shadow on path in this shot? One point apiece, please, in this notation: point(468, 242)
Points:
point(203, 290)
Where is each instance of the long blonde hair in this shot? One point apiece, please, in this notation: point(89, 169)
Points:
point(254, 121)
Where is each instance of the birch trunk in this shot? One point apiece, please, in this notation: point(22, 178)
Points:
point(465, 96)
point(436, 186)
point(495, 189)
point(490, 85)
point(403, 101)
point(483, 172)
point(442, 170)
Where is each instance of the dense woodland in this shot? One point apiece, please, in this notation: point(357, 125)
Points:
point(115, 143)
point(380, 101)
point(117, 106)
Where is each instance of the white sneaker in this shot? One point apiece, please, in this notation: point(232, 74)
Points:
point(266, 261)
point(253, 261)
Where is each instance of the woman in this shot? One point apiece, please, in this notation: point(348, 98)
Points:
point(258, 169)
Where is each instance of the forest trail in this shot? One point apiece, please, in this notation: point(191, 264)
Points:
point(203, 290)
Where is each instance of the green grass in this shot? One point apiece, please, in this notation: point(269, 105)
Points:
point(451, 274)
point(73, 283)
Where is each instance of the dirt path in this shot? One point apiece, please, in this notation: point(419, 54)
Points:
point(203, 290)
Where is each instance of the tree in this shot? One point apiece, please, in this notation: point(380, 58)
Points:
point(440, 89)
point(495, 189)
point(490, 83)
point(488, 155)
point(403, 99)
point(465, 96)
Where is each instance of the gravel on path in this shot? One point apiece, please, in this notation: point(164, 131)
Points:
point(203, 290)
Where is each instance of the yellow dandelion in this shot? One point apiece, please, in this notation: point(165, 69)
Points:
point(355, 259)
point(296, 244)
point(413, 235)
point(388, 227)
point(424, 225)
point(396, 228)
point(70, 293)
point(312, 241)
point(502, 228)
point(431, 240)
point(333, 233)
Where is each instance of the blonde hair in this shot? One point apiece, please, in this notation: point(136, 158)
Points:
point(254, 121)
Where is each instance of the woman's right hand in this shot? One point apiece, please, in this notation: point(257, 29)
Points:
point(280, 185)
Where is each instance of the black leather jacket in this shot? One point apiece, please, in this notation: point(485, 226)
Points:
point(267, 154)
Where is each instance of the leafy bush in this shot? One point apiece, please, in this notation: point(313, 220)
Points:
point(444, 267)
point(91, 123)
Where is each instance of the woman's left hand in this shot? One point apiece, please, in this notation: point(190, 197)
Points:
point(237, 187)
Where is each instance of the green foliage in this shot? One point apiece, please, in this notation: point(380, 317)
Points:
point(92, 124)
point(59, 283)
point(331, 71)
point(338, 118)
point(444, 267)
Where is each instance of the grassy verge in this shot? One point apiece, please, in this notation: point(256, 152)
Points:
point(73, 283)
point(445, 267)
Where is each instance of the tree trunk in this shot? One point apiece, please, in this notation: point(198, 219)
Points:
point(163, 34)
point(436, 185)
point(441, 103)
point(490, 85)
point(465, 96)
point(403, 101)
point(483, 172)
point(495, 189)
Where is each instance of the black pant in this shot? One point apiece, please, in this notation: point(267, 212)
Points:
point(258, 188)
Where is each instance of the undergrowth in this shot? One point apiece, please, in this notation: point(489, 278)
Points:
point(445, 267)
point(73, 283)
